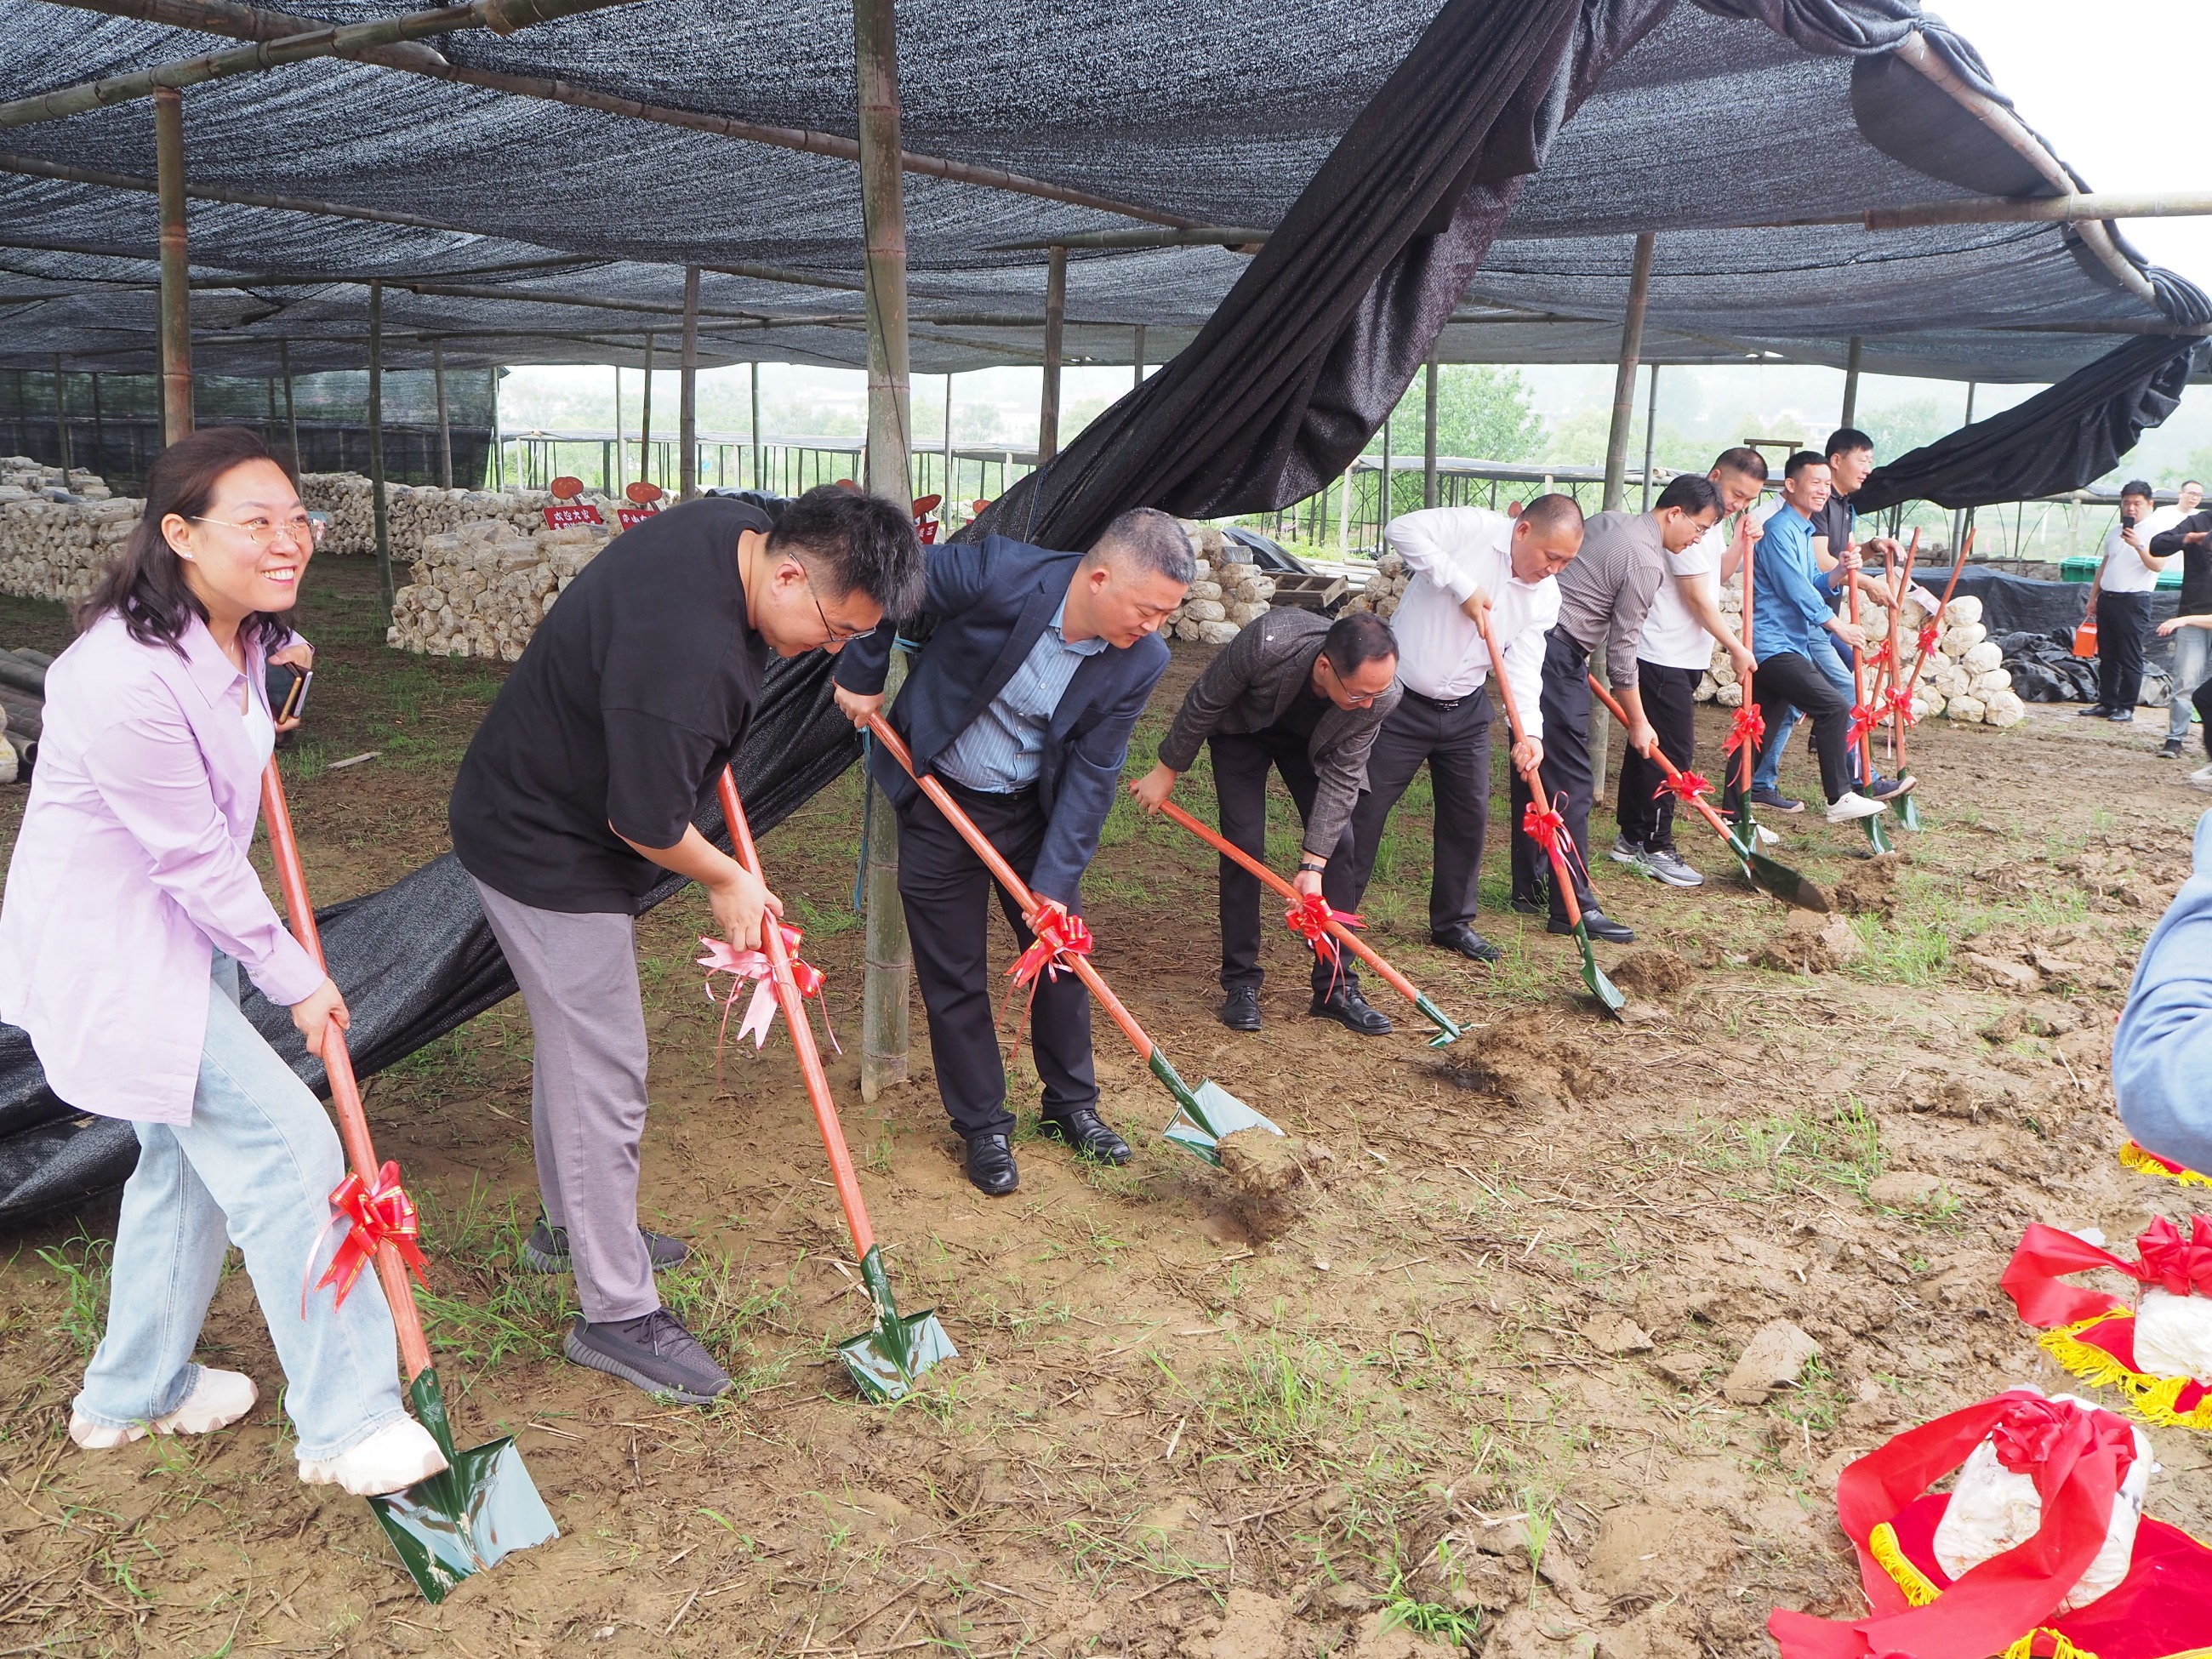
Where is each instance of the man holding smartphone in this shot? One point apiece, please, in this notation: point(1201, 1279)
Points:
point(579, 791)
point(2121, 605)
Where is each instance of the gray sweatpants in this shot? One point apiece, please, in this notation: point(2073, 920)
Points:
point(578, 979)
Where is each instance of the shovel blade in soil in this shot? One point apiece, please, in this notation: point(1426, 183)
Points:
point(1780, 881)
point(1608, 993)
point(482, 1509)
point(1207, 1115)
point(1907, 811)
point(1876, 837)
point(883, 1360)
point(1447, 1031)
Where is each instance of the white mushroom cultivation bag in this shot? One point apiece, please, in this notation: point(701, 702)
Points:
point(2173, 1335)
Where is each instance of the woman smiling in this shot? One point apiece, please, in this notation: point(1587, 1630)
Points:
point(131, 908)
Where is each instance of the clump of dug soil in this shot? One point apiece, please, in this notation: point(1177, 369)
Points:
point(1275, 1179)
point(1869, 889)
point(1653, 973)
point(1812, 944)
point(1525, 1068)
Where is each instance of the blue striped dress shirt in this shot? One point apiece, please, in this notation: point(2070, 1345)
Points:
point(1003, 748)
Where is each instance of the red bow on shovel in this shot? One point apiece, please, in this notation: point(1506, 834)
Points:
point(753, 965)
point(1747, 731)
point(379, 1213)
point(1688, 787)
point(1864, 719)
point(1309, 919)
point(1061, 937)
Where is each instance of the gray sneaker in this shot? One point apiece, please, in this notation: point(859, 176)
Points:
point(655, 1353)
point(1668, 866)
point(1627, 852)
point(546, 1249)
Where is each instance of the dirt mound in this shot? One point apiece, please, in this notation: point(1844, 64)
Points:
point(1526, 1068)
point(1812, 944)
point(1653, 973)
point(1275, 1179)
point(1869, 889)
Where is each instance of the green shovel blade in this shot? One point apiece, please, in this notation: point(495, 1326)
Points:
point(467, 1519)
point(1780, 881)
point(1608, 993)
point(1908, 812)
point(1876, 837)
point(1447, 1031)
point(883, 1360)
point(1206, 1116)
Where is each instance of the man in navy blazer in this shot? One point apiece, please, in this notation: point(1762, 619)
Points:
point(1021, 704)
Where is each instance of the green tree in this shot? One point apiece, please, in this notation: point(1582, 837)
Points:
point(1483, 413)
point(1907, 426)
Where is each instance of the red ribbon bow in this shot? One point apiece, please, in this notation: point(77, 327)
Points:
point(753, 967)
point(1864, 719)
point(1896, 703)
point(2179, 1265)
point(2164, 1257)
point(1929, 633)
point(1060, 937)
point(1543, 825)
point(1309, 919)
point(377, 1213)
point(1748, 730)
point(1880, 657)
point(1688, 787)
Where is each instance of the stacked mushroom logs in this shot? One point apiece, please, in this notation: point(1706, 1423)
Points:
point(22, 710)
point(1230, 592)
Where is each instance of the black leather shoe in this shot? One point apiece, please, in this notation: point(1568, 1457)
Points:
point(1464, 939)
point(1600, 925)
point(991, 1165)
point(1350, 1010)
point(1240, 1009)
point(1529, 904)
point(1088, 1133)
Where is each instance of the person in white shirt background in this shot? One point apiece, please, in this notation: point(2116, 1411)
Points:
point(2122, 603)
point(1467, 563)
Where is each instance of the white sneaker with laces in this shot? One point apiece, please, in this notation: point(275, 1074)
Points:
point(395, 1456)
point(1767, 837)
point(218, 1400)
point(1852, 806)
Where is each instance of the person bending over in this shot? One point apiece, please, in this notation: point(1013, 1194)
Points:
point(578, 791)
point(1789, 611)
point(1305, 695)
point(1467, 563)
point(1021, 705)
point(131, 909)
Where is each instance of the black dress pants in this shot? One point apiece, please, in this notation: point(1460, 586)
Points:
point(2123, 627)
point(1789, 678)
point(1241, 761)
point(1566, 772)
point(1454, 739)
point(1645, 809)
point(944, 886)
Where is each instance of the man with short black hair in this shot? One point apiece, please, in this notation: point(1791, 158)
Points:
point(2125, 582)
point(2190, 536)
point(1673, 653)
point(1304, 695)
point(1605, 595)
point(578, 791)
point(1021, 704)
point(1468, 564)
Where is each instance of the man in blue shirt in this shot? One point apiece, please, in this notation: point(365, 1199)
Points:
point(1789, 615)
point(2164, 1045)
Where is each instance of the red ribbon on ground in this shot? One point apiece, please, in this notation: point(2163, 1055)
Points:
point(753, 967)
point(1309, 919)
point(1060, 937)
point(1688, 787)
point(2035, 1278)
point(376, 1213)
point(1748, 729)
point(2077, 1458)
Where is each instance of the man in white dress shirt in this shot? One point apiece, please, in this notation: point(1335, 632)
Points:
point(1468, 562)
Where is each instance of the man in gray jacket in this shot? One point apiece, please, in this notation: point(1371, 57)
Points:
point(1305, 695)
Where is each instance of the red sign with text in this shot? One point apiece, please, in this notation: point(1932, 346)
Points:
point(630, 516)
point(568, 512)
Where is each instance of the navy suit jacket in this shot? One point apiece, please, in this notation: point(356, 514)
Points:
point(993, 597)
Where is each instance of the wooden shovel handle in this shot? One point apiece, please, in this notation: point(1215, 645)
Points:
point(794, 1003)
point(1530, 775)
point(1666, 766)
point(1003, 873)
point(338, 1062)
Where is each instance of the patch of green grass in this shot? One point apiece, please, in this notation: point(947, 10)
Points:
point(1799, 1150)
point(82, 1264)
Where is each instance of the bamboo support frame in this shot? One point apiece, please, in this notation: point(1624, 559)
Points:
point(1624, 374)
point(1852, 365)
point(1055, 326)
point(445, 423)
point(291, 415)
point(379, 508)
point(687, 397)
point(1429, 433)
point(176, 298)
point(645, 418)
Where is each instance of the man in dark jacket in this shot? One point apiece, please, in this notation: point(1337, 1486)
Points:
point(1021, 704)
point(1304, 695)
point(2190, 536)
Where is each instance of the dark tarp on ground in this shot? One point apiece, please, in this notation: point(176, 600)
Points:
point(415, 960)
point(2033, 622)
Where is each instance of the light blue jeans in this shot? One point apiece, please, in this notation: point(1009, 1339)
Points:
point(255, 1164)
point(2192, 657)
point(1830, 661)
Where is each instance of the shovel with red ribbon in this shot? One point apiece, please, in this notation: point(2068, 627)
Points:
point(1931, 634)
point(1865, 716)
point(1205, 1116)
point(484, 1505)
point(1548, 829)
point(884, 1360)
point(1327, 930)
point(1690, 788)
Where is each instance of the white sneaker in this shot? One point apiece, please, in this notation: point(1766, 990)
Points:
point(1765, 837)
point(218, 1400)
point(1851, 807)
point(1671, 867)
point(395, 1456)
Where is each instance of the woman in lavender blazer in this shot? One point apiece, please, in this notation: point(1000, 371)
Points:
point(131, 909)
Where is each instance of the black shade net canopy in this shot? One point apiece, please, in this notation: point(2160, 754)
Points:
point(511, 226)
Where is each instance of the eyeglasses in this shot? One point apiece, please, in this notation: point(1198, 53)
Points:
point(300, 529)
point(837, 636)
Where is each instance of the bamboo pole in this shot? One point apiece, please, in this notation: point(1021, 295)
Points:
point(622, 460)
point(445, 423)
point(1850, 416)
point(379, 508)
point(1383, 495)
point(291, 417)
point(687, 399)
point(1429, 435)
point(645, 417)
point(1056, 322)
point(1958, 517)
point(884, 1016)
point(1137, 371)
point(176, 299)
point(61, 418)
point(100, 438)
point(1623, 375)
point(1650, 431)
point(759, 482)
point(498, 438)
point(945, 506)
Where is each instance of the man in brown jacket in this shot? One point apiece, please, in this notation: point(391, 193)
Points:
point(1305, 695)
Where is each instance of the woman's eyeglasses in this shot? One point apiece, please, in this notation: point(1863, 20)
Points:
point(301, 530)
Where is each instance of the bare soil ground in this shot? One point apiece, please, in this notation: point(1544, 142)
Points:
point(1449, 1367)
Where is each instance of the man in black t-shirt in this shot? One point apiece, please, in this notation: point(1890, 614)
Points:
point(578, 791)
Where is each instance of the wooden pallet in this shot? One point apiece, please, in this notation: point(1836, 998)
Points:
point(1309, 592)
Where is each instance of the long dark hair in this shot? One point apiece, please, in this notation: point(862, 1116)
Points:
point(145, 584)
